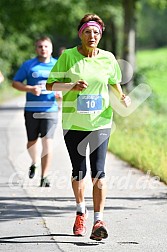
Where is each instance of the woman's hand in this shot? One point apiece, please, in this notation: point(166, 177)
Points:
point(126, 100)
point(80, 85)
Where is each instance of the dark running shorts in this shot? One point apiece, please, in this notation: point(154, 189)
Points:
point(40, 124)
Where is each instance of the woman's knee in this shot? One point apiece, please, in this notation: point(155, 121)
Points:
point(100, 183)
point(78, 175)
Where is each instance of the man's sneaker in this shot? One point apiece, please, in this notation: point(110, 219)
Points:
point(99, 231)
point(32, 171)
point(79, 228)
point(45, 182)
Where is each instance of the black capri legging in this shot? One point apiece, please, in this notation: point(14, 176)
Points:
point(76, 143)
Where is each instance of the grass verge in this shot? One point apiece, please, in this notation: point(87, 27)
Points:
point(141, 138)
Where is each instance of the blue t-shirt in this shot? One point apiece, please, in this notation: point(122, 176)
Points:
point(34, 73)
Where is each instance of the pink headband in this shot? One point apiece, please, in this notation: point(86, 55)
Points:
point(89, 23)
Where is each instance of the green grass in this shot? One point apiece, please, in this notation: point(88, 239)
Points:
point(141, 138)
point(153, 64)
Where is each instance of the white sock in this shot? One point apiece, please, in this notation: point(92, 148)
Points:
point(81, 207)
point(36, 164)
point(98, 216)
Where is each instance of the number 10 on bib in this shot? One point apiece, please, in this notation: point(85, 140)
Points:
point(88, 104)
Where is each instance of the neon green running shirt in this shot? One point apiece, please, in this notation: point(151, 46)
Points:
point(86, 110)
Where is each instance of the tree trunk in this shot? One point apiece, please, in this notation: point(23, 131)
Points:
point(129, 7)
point(110, 38)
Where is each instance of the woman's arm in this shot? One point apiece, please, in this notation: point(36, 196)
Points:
point(117, 89)
point(62, 86)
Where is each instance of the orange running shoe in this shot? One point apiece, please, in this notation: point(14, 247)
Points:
point(99, 231)
point(79, 228)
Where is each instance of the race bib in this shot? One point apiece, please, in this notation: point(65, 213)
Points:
point(89, 104)
point(43, 87)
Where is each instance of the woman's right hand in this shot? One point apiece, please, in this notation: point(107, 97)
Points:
point(80, 85)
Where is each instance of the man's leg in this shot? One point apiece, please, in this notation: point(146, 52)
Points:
point(32, 147)
point(48, 123)
point(32, 125)
point(46, 155)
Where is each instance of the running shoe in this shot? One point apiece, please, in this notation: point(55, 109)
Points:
point(45, 182)
point(79, 228)
point(99, 231)
point(32, 171)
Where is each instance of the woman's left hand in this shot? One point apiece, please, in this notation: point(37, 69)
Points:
point(126, 100)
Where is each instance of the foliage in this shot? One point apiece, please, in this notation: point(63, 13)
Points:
point(161, 4)
point(150, 25)
point(154, 72)
point(20, 25)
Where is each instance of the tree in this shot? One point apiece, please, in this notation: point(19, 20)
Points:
point(129, 40)
point(20, 25)
point(152, 32)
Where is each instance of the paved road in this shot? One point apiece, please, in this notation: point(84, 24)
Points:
point(41, 219)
